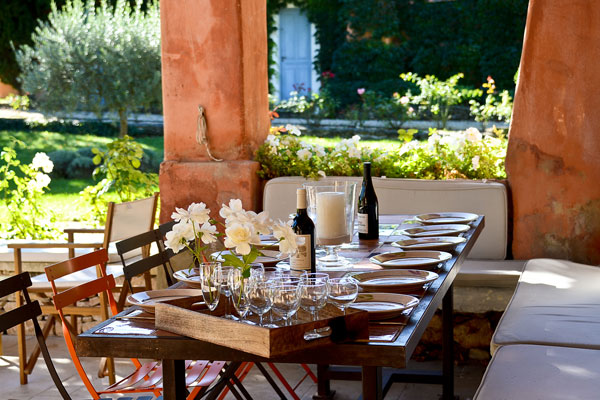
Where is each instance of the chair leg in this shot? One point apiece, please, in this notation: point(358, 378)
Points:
point(21, 344)
point(33, 357)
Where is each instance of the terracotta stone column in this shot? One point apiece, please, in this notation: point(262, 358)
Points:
point(214, 54)
point(553, 160)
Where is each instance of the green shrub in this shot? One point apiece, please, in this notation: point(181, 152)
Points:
point(119, 170)
point(21, 189)
point(445, 155)
point(96, 59)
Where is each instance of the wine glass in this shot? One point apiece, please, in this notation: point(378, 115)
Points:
point(313, 297)
point(332, 206)
point(222, 276)
point(342, 292)
point(211, 288)
point(238, 285)
point(259, 296)
point(286, 300)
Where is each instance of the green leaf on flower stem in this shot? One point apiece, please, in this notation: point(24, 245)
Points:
point(246, 273)
point(232, 260)
point(250, 257)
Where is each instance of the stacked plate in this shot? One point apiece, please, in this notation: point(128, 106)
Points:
point(430, 243)
point(384, 305)
point(147, 300)
point(446, 218)
point(270, 258)
point(395, 280)
point(411, 259)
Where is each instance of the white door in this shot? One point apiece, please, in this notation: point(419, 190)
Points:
point(295, 52)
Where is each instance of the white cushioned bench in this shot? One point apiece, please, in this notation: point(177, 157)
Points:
point(547, 343)
point(556, 303)
point(486, 265)
point(533, 372)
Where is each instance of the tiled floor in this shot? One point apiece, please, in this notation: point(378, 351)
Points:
point(40, 385)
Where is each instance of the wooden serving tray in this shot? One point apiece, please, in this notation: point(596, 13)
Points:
point(262, 341)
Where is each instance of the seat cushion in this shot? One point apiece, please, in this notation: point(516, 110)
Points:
point(55, 255)
point(556, 303)
point(40, 282)
point(418, 196)
point(531, 372)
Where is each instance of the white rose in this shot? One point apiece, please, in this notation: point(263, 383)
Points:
point(293, 129)
point(304, 154)
point(199, 213)
point(287, 238)
point(228, 212)
point(41, 160)
point(238, 236)
point(353, 152)
point(475, 163)
point(261, 222)
point(178, 236)
point(207, 233)
point(473, 135)
point(181, 215)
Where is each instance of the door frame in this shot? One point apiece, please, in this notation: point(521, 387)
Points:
point(275, 80)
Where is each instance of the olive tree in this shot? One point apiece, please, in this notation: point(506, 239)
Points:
point(100, 59)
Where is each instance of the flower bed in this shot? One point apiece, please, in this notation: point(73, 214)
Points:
point(465, 154)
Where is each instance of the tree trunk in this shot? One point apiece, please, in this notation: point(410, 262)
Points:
point(122, 122)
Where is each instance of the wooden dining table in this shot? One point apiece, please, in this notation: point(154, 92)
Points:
point(378, 362)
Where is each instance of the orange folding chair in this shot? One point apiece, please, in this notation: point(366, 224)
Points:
point(146, 377)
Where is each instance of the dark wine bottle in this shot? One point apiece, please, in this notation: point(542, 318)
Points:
point(368, 208)
point(303, 226)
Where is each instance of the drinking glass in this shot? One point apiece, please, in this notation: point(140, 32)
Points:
point(342, 292)
point(332, 206)
point(238, 285)
point(222, 276)
point(313, 297)
point(211, 288)
point(286, 300)
point(259, 296)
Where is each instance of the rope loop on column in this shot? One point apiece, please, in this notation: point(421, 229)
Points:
point(201, 129)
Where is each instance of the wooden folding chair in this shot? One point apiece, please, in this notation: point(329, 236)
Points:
point(123, 220)
point(28, 312)
point(146, 377)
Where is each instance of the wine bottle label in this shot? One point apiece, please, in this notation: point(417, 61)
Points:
point(362, 223)
point(301, 260)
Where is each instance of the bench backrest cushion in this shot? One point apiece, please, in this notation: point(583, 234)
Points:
point(416, 196)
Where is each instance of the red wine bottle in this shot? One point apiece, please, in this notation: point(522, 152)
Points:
point(368, 208)
point(303, 226)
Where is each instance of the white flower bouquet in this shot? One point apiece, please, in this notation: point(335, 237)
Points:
point(195, 230)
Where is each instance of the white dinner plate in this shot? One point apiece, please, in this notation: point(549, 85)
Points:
point(269, 258)
point(384, 305)
point(189, 277)
point(430, 243)
point(394, 279)
point(435, 230)
point(147, 300)
point(410, 259)
point(446, 218)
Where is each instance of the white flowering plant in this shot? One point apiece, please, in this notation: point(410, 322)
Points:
point(468, 154)
point(21, 188)
point(195, 230)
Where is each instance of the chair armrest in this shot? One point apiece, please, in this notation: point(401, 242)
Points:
point(84, 230)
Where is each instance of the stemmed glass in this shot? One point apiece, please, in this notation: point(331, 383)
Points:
point(342, 292)
point(286, 300)
point(238, 285)
point(211, 288)
point(222, 276)
point(259, 296)
point(313, 297)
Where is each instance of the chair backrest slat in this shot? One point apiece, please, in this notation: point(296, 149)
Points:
point(19, 315)
point(135, 242)
point(85, 290)
point(67, 267)
point(145, 264)
point(14, 283)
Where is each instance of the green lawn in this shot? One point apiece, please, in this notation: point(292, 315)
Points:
point(63, 197)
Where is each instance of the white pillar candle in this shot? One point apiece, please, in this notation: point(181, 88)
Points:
point(331, 215)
